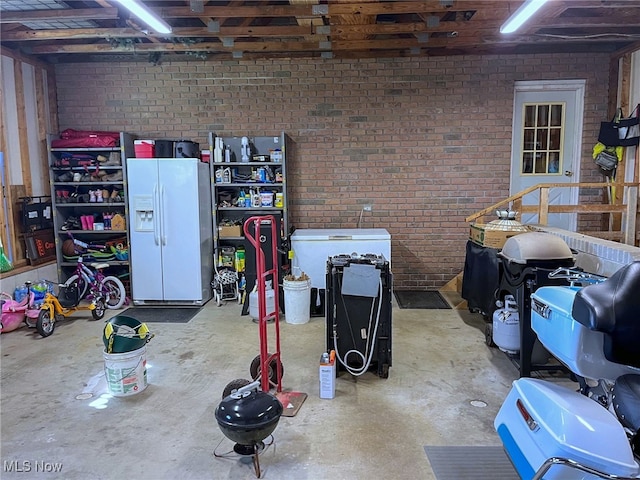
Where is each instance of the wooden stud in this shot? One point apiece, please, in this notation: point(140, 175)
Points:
point(631, 213)
point(23, 132)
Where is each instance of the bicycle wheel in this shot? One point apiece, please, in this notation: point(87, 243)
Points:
point(83, 284)
point(114, 293)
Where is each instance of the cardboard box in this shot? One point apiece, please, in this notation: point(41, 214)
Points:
point(489, 238)
point(230, 231)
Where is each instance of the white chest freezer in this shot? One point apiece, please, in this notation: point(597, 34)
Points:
point(312, 247)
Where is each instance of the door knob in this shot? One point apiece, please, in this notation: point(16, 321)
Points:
point(568, 173)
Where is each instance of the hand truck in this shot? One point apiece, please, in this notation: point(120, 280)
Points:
point(270, 363)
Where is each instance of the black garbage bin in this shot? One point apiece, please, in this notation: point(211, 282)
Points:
point(481, 279)
point(527, 259)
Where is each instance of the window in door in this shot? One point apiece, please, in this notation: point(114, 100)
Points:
point(542, 133)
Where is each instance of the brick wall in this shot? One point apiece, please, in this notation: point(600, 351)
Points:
point(427, 141)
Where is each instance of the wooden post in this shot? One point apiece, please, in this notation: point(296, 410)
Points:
point(517, 207)
point(23, 134)
point(543, 212)
point(618, 197)
point(631, 212)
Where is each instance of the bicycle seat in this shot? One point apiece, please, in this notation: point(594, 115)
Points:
point(612, 307)
point(99, 266)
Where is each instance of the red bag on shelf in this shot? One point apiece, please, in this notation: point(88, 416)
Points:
point(71, 138)
point(84, 142)
point(71, 133)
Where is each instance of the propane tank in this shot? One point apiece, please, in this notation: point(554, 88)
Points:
point(506, 326)
point(270, 301)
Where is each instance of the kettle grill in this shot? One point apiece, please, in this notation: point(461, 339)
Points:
point(248, 416)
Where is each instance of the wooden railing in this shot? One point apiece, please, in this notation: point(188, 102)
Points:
point(626, 212)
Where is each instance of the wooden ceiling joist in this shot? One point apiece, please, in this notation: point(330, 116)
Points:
point(59, 15)
point(82, 33)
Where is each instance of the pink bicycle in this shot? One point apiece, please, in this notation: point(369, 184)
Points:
point(93, 279)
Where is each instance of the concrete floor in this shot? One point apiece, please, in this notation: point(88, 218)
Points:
point(373, 428)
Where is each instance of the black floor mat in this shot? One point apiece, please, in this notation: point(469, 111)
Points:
point(478, 463)
point(161, 314)
point(421, 299)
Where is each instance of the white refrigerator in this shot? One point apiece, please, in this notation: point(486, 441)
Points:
point(170, 225)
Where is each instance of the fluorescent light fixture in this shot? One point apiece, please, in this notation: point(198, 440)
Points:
point(521, 15)
point(141, 11)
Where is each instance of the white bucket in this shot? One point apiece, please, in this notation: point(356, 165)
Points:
point(297, 301)
point(126, 373)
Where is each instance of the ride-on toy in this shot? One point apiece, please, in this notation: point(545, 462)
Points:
point(67, 302)
point(551, 432)
point(13, 312)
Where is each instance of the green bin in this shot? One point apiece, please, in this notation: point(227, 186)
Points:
point(124, 334)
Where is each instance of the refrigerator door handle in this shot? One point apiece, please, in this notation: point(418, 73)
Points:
point(163, 209)
point(156, 210)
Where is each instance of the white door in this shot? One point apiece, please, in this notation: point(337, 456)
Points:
point(546, 143)
point(180, 224)
point(145, 253)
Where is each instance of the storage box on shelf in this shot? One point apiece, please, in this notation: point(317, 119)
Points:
point(145, 148)
point(230, 231)
point(88, 201)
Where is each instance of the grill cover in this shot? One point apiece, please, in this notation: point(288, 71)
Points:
point(535, 246)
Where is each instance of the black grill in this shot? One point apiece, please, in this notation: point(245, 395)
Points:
point(526, 261)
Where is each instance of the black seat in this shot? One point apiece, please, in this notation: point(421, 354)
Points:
point(613, 307)
point(626, 401)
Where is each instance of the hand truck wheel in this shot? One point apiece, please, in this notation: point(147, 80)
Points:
point(254, 370)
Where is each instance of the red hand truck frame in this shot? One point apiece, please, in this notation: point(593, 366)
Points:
point(262, 274)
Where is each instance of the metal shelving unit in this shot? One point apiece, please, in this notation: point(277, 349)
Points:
point(70, 197)
point(240, 182)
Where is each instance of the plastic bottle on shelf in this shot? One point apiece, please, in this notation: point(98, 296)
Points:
point(20, 292)
point(239, 259)
point(256, 198)
point(245, 149)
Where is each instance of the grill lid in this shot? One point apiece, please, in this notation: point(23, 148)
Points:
point(250, 410)
point(530, 246)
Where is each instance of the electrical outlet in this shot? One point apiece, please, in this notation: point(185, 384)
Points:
point(367, 207)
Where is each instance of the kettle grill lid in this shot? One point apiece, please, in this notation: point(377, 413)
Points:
point(529, 246)
point(249, 410)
